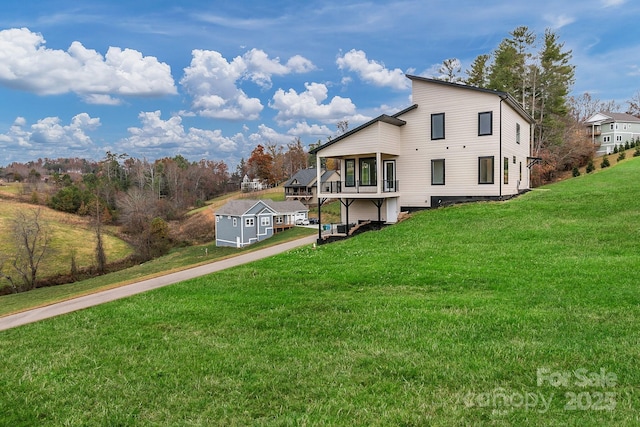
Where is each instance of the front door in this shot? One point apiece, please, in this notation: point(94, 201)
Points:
point(389, 175)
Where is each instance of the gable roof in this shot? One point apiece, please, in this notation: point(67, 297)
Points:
point(302, 178)
point(392, 120)
point(240, 207)
point(503, 95)
point(609, 117)
point(307, 178)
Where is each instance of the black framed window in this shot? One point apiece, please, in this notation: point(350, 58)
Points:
point(437, 172)
point(437, 126)
point(485, 170)
point(368, 171)
point(350, 173)
point(485, 123)
point(517, 133)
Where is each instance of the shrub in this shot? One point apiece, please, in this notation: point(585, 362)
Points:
point(626, 145)
point(637, 152)
point(605, 162)
point(575, 172)
point(615, 149)
point(622, 155)
point(590, 166)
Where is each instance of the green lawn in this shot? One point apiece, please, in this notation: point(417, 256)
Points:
point(524, 312)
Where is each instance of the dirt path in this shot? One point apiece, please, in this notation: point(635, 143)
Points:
point(86, 301)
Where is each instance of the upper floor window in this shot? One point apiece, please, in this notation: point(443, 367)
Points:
point(517, 133)
point(437, 172)
point(437, 126)
point(485, 170)
point(368, 171)
point(485, 123)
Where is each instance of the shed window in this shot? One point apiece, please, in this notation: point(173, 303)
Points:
point(249, 222)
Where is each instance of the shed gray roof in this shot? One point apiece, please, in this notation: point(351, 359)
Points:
point(241, 206)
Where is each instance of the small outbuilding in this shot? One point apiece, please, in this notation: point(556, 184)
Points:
point(245, 221)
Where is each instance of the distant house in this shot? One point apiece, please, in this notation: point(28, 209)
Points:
point(245, 221)
point(248, 185)
point(456, 143)
point(303, 185)
point(607, 130)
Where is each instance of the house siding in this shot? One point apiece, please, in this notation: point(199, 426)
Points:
point(225, 231)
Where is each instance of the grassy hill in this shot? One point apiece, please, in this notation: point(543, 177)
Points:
point(524, 312)
point(69, 233)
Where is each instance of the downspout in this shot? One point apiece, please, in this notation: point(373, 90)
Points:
point(500, 160)
point(319, 190)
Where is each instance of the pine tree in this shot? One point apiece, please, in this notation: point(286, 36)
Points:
point(478, 74)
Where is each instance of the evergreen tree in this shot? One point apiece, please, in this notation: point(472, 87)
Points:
point(478, 74)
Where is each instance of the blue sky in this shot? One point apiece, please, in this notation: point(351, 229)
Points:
point(213, 79)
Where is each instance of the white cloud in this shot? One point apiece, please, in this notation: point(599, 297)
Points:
point(267, 135)
point(302, 129)
point(48, 137)
point(293, 106)
point(613, 3)
point(559, 21)
point(27, 64)
point(156, 133)
point(371, 71)
point(213, 81)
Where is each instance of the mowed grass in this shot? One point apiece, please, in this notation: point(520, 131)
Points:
point(443, 319)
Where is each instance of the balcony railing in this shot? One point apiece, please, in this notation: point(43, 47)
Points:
point(357, 187)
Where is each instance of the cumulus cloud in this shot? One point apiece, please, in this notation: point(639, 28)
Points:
point(293, 106)
point(302, 129)
point(27, 64)
point(213, 81)
point(371, 71)
point(156, 133)
point(48, 137)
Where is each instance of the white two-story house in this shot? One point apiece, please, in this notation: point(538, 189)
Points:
point(456, 143)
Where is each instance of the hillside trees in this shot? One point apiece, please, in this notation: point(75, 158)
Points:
point(540, 80)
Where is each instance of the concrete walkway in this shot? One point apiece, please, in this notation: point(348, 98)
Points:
point(80, 303)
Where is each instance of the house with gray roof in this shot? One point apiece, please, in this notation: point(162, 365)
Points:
point(303, 185)
point(245, 221)
point(607, 130)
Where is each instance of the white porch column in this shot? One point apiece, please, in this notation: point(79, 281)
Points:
point(379, 173)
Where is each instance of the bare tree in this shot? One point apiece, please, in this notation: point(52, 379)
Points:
point(31, 237)
point(450, 70)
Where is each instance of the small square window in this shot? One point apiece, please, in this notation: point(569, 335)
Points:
point(485, 123)
point(235, 222)
point(249, 222)
point(265, 221)
point(437, 126)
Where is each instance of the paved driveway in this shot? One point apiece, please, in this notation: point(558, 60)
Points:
point(79, 303)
